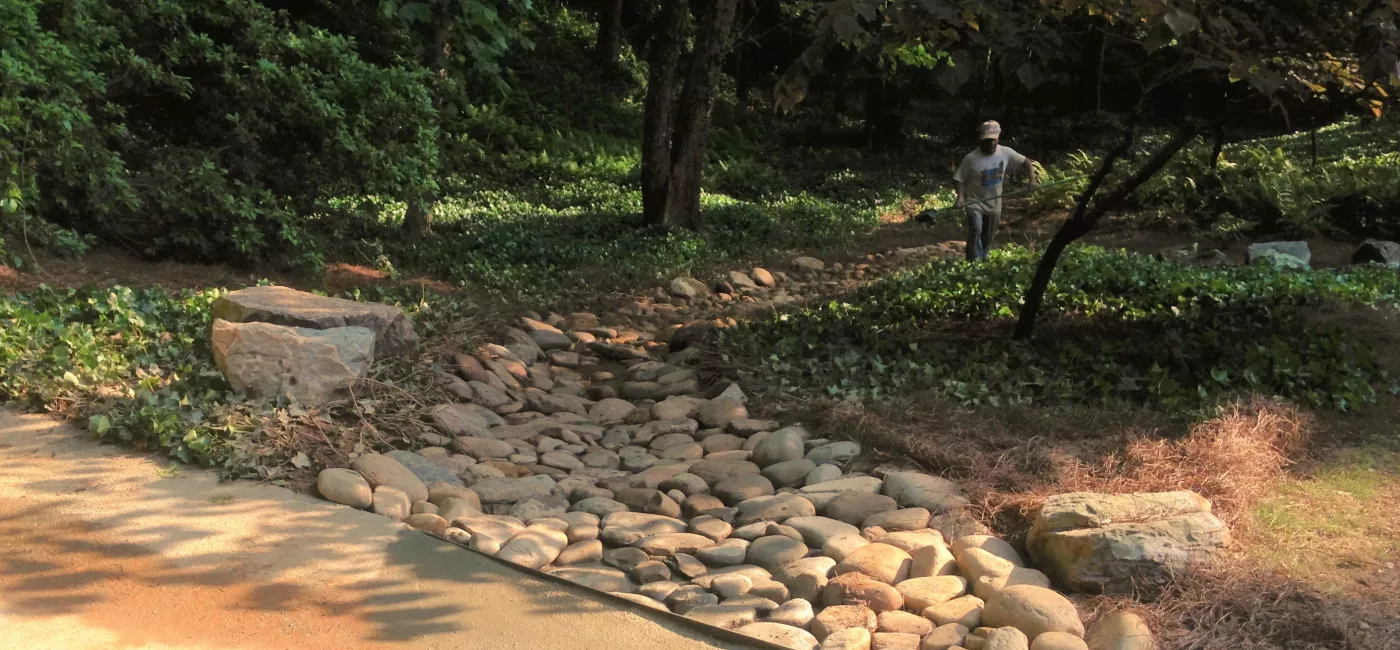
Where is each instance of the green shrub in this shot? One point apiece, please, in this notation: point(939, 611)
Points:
point(1118, 329)
point(197, 130)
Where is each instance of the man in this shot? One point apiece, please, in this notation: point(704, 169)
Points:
point(979, 180)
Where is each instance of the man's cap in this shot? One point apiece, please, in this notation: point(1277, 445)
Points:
point(989, 129)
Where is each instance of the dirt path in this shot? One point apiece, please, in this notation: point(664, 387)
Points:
point(102, 548)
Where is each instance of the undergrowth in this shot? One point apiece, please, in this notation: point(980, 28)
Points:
point(137, 367)
point(1118, 330)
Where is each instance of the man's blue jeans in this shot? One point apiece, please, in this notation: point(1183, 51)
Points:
point(981, 232)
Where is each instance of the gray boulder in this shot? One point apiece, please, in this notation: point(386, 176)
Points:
point(393, 332)
point(310, 366)
point(1282, 254)
point(1377, 251)
point(1118, 543)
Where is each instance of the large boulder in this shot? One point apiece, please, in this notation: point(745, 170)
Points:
point(1281, 254)
point(393, 332)
point(1117, 543)
point(1377, 251)
point(310, 366)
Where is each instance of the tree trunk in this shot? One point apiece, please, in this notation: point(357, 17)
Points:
point(1218, 147)
point(664, 57)
point(609, 47)
point(418, 216)
point(690, 134)
point(1085, 218)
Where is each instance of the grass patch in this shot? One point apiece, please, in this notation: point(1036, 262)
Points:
point(1334, 525)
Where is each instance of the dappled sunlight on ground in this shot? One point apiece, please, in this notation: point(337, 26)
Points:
point(121, 551)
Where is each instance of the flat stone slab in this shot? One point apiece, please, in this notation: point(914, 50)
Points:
point(393, 331)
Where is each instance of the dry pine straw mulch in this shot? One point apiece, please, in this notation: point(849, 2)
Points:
point(1010, 459)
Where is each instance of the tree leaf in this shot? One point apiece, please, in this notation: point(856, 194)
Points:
point(301, 460)
point(1031, 75)
point(847, 28)
point(416, 12)
point(1181, 22)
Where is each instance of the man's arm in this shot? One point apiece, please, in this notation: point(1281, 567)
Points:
point(1029, 167)
point(958, 185)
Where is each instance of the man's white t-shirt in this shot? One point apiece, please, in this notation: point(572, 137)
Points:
point(982, 176)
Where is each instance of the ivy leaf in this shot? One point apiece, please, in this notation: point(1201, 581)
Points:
point(416, 12)
point(1181, 22)
point(847, 28)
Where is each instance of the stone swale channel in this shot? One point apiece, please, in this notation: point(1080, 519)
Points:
point(638, 482)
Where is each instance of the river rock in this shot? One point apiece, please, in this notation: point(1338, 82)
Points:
point(534, 547)
point(923, 593)
point(1121, 631)
point(779, 446)
point(851, 588)
point(904, 623)
point(918, 490)
point(628, 528)
point(1006, 638)
point(380, 470)
point(773, 551)
point(740, 488)
point(910, 540)
point(1033, 610)
point(598, 506)
point(585, 552)
point(822, 474)
point(836, 618)
point(851, 638)
point(783, 636)
point(391, 502)
point(834, 453)
point(714, 472)
point(427, 471)
point(932, 560)
point(600, 578)
point(346, 487)
point(1058, 641)
point(894, 641)
point(1103, 543)
point(790, 473)
point(854, 507)
point(905, 519)
point(776, 508)
point(510, 490)
point(673, 543)
point(725, 616)
point(944, 637)
point(882, 562)
point(965, 611)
